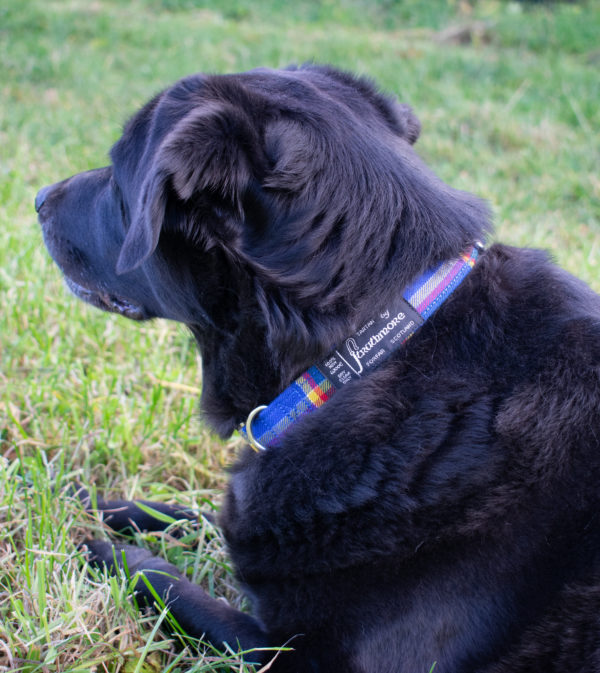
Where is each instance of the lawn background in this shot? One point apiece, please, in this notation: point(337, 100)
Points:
point(510, 110)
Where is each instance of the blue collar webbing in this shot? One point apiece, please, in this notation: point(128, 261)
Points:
point(364, 350)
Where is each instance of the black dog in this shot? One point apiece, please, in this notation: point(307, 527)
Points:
point(443, 507)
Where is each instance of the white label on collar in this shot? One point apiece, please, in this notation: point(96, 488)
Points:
point(371, 344)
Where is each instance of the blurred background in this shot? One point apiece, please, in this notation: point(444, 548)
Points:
point(508, 94)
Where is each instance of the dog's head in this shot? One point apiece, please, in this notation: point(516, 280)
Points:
point(269, 211)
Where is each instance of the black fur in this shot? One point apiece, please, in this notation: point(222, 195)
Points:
point(443, 509)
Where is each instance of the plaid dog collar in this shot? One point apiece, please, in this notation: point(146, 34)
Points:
point(363, 351)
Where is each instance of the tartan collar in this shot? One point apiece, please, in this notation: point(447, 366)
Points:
point(367, 348)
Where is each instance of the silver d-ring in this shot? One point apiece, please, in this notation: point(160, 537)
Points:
point(254, 443)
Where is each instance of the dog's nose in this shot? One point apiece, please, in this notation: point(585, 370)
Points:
point(41, 197)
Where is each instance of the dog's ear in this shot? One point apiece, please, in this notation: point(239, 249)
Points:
point(214, 148)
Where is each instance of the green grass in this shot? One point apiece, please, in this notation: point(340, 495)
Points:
point(513, 116)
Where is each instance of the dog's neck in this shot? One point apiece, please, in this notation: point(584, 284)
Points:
point(365, 350)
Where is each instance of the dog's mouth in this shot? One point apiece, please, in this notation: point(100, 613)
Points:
point(107, 301)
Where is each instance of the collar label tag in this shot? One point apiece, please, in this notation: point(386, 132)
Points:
point(369, 346)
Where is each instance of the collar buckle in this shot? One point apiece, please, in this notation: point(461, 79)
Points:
point(254, 443)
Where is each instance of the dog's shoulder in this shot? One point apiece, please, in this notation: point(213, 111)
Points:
point(507, 375)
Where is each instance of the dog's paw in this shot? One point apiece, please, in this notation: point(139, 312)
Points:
point(133, 516)
point(195, 613)
point(78, 492)
point(125, 556)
